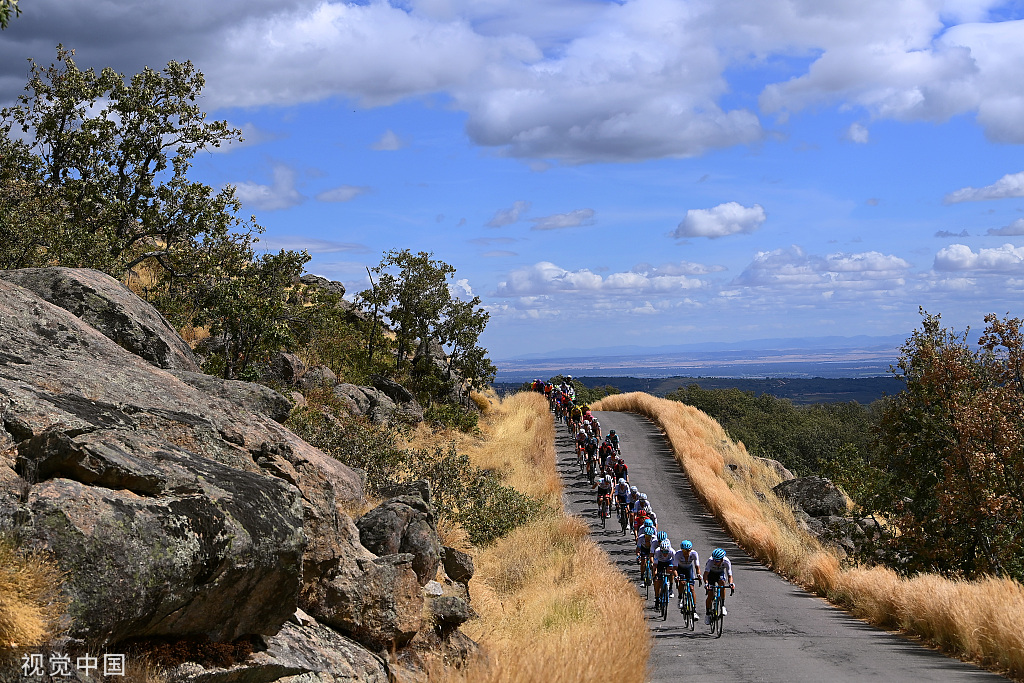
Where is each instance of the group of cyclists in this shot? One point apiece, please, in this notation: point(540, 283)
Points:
point(609, 474)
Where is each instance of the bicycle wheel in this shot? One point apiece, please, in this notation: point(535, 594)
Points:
point(664, 598)
point(623, 521)
point(601, 512)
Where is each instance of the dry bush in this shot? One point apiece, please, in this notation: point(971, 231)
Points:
point(545, 593)
point(31, 604)
point(978, 620)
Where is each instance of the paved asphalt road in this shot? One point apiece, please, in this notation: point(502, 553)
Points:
point(774, 631)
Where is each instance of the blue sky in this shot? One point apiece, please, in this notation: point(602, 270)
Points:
point(647, 172)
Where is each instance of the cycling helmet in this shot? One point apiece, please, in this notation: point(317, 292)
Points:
point(610, 432)
point(569, 377)
point(621, 482)
point(717, 554)
point(649, 522)
point(608, 478)
point(665, 545)
point(643, 496)
point(686, 545)
point(662, 535)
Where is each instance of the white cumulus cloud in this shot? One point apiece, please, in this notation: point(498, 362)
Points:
point(388, 142)
point(725, 219)
point(960, 257)
point(547, 278)
point(858, 133)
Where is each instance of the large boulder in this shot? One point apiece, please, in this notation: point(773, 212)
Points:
point(405, 524)
point(173, 510)
point(329, 286)
point(316, 377)
point(377, 404)
point(285, 368)
point(113, 309)
point(254, 397)
point(817, 496)
point(159, 541)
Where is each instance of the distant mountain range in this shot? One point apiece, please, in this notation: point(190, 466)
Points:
point(859, 356)
point(778, 344)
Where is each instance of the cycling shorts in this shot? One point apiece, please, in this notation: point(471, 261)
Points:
point(715, 577)
point(663, 567)
point(687, 573)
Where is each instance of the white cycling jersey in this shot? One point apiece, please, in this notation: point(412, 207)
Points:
point(663, 556)
point(686, 558)
point(724, 567)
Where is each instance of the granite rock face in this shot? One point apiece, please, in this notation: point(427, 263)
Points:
point(111, 308)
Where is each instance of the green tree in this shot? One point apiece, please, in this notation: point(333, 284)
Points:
point(414, 292)
point(954, 446)
point(106, 160)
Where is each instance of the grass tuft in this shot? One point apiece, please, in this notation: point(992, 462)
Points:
point(31, 603)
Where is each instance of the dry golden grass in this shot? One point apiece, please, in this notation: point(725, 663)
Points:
point(545, 592)
point(30, 600)
point(978, 620)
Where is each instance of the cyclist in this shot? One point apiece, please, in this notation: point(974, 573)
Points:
point(644, 506)
point(604, 490)
point(576, 415)
point(715, 572)
point(621, 494)
point(661, 559)
point(646, 540)
point(686, 567)
point(596, 427)
point(634, 496)
point(614, 438)
point(581, 440)
point(620, 469)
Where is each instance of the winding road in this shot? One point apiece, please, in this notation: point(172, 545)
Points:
point(775, 631)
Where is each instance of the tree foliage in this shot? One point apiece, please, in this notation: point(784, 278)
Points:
point(7, 8)
point(954, 442)
point(95, 169)
point(414, 292)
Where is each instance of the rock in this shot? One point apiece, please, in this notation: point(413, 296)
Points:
point(159, 541)
point(204, 533)
point(433, 589)
point(393, 390)
point(458, 566)
point(776, 467)
point(298, 399)
point(316, 377)
point(329, 286)
point(378, 603)
point(405, 524)
point(285, 368)
point(307, 653)
point(353, 397)
point(430, 649)
point(113, 309)
point(254, 397)
point(450, 612)
point(817, 496)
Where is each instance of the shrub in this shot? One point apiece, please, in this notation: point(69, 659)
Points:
point(452, 416)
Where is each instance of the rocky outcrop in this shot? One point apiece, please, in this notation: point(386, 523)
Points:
point(111, 308)
point(377, 405)
point(776, 467)
point(821, 509)
point(817, 496)
point(316, 377)
point(302, 650)
point(180, 508)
